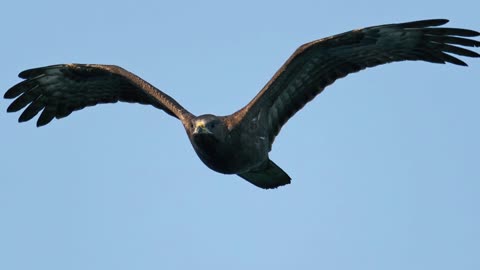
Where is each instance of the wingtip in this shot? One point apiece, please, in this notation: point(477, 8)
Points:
point(425, 23)
point(43, 120)
point(13, 92)
point(33, 72)
point(25, 74)
point(13, 108)
point(38, 124)
point(437, 22)
point(475, 34)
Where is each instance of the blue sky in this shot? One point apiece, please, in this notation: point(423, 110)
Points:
point(385, 163)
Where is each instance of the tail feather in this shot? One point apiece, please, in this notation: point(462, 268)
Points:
point(269, 176)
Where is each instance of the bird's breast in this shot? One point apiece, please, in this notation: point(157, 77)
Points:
point(231, 157)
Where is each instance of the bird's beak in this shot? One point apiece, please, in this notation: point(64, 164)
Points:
point(200, 128)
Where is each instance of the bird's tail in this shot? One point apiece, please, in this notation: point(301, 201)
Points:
point(269, 176)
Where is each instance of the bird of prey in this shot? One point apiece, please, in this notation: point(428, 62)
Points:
point(239, 143)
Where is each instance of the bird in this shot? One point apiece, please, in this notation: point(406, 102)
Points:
point(240, 143)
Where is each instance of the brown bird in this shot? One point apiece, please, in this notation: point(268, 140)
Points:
point(239, 143)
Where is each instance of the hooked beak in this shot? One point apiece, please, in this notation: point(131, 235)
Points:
point(200, 128)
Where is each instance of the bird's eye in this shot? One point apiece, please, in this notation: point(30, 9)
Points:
point(212, 125)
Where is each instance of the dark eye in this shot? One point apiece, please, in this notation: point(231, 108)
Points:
point(212, 125)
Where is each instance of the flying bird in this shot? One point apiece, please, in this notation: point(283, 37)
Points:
point(239, 143)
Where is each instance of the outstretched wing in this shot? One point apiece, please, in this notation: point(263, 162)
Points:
point(318, 64)
point(61, 89)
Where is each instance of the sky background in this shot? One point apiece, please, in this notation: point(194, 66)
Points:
point(385, 163)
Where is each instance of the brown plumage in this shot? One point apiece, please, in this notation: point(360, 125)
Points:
point(239, 143)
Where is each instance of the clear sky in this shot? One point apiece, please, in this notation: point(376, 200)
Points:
point(385, 163)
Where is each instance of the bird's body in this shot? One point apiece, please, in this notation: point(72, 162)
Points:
point(240, 143)
point(224, 154)
point(236, 151)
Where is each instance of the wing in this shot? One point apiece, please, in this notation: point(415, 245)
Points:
point(318, 64)
point(61, 89)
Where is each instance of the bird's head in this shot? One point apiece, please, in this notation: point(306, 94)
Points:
point(208, 126)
